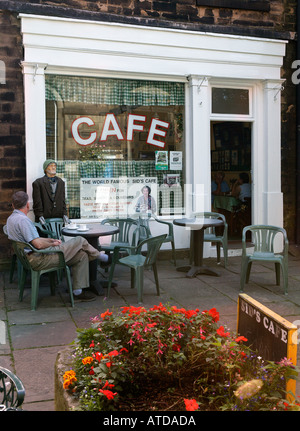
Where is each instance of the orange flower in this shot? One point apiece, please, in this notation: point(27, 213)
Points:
point(106, 313)
point(191, 405)
point(87, 360)
point(69, 379)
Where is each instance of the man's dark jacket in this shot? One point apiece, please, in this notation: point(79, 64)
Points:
point(43, 204)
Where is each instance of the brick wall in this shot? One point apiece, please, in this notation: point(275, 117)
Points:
point(12, 153)
point(274, 19)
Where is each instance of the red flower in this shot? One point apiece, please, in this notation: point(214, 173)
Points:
point(241, 338)
point(113, 353)
point(191, 405)
point(222, 333)
point(176, 347)
point(108, 385)
point(98, 356)
point(106, 313)
point(109, 394)
point(215, 314)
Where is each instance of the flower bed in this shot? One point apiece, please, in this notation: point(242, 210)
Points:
point(168, 358)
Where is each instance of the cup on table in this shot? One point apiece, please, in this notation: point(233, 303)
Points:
point(72, 226)
point(82, 227)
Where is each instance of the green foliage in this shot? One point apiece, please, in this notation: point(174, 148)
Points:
point(123, 352)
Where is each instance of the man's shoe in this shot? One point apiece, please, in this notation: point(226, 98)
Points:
point(84, 296)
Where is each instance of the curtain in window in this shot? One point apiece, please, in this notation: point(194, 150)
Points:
point(113, 91)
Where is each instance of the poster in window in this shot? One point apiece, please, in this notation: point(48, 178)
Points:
point(176, 160)
point(117, 197)
point(161, 160)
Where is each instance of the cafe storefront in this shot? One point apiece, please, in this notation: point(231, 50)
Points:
point(121, 107)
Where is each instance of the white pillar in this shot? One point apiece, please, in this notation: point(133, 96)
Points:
point(199, 124)
point(272, 195)
point(35, 122)
point(199, 92)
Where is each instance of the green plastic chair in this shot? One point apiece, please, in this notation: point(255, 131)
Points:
point(145, 232)
point(19, 248)
point(137, 262)
point(12, 391)
point(126, 237)
point(14, 261)
point(217, 235)
point(263, 239)
point(55, 226)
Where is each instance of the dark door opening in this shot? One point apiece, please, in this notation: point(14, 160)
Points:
point(231, 174)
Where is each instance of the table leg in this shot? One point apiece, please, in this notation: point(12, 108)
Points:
point(197, 267)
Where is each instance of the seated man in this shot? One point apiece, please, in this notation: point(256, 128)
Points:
point(242, 188)
point(219, 186)
point(77, 251)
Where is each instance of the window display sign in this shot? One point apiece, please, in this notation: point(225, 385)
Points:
point(161, 160)
point(117, 197)
point(175, 160)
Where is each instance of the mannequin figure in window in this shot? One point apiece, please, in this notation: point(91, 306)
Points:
point(242, 188)
point(219, 186)
point(146, 202)
point(48, 193)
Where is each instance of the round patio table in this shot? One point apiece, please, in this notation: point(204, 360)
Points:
point(91, 234)
point(197, 226)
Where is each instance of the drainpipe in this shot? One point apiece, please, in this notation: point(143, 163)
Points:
point(298, 135)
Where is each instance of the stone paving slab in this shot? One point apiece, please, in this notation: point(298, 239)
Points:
point(34, 338)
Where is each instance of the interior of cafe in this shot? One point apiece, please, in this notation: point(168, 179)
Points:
point(231, 172)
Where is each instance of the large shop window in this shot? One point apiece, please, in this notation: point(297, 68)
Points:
point(113, 137)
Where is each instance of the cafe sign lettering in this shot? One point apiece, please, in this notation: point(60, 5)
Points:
point(267, 333)
point(135, 123)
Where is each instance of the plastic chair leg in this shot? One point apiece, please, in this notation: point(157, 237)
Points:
point(225, 250)
point(133, 278)
point(21, 283)
point(35, 281)
point(248, 271)
point(277, 271)
point(156, 278)
point(110, 277)
point(173, 252)
point(69, 283)
point(285, 279)
point(218, 252)
point(139, 274)
point(52, 276)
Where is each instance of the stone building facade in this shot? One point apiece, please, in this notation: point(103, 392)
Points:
point(258, 19)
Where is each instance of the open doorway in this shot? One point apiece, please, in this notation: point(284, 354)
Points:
point(231, 174)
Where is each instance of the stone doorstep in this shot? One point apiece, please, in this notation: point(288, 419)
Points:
point(63, 401)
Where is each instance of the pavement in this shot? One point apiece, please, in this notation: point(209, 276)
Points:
point(34, 338)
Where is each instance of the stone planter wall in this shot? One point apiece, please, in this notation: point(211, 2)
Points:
point(63, 400)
